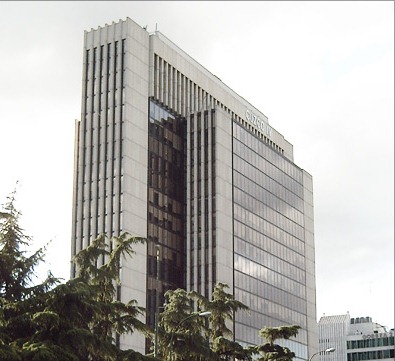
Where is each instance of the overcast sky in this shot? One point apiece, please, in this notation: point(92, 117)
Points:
point(322, 72)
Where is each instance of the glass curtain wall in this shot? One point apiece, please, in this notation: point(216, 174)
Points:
point(269, 261)
point(166, 199)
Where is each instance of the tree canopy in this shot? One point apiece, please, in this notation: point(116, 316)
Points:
point(72, 321)
point(83, 318)
point(270, 351)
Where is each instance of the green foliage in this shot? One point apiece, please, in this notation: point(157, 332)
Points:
point(75, 321)
point(82, 318)
point(183, 335)
point(181, 329)
point(271, 334)
point(85, 309)
point(8, 353)
point(46, 352)
point(222, 308)
point(20, 298)
point(270, 351)
point(16, 267)
point(226, 349)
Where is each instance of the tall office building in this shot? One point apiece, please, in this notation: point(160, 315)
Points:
point(355, 339)
point(166, 151)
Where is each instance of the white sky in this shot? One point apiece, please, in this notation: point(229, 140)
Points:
point(322, 72)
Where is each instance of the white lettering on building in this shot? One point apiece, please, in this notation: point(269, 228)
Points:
point(262, 125)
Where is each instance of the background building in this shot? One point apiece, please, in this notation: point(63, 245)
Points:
point(166, 151)
point(355, 339)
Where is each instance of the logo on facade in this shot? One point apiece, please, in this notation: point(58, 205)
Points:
point(376, 335)
point(262, 125)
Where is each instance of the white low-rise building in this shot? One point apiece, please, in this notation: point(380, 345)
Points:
point(355, 339)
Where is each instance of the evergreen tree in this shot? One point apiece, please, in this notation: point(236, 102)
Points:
point(222, 307)
point(181, 329)
point(83, 317)
point(16, 267)
point(79, 320)
point(270, 351)
point(20, 298)
point(186, 336)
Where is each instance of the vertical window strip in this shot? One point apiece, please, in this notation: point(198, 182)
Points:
point(169, 90)
point(172, 90)
point(170, 86)
point(101, 158)
point(213, 197)
point(205, 197)
point(198, 195)
point(89, 201)
point(156, 76)
point(104, 140)
point(196, 202)
point(175, 85)
point(74, 235)
point(188, 96)
point(192, 97)
point(161, 79)
point(82, 147)
point(182, 94)
point(201, 199)
point(199, 99)
point(202, 100)
point(98, 154)
point(96, 145)
point(165, 83)
point(188, 212)
point(209, 203)
point(118, 70)
point(121, 125)
point(178, 94)
point(114, 135)
point(192, 200)
point(93, 183)
point(108, 210)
